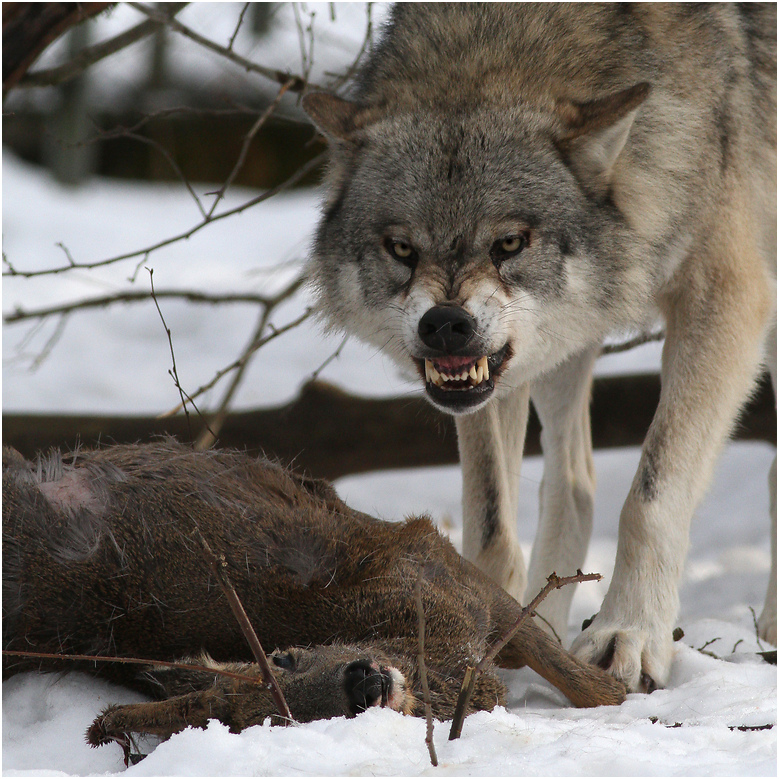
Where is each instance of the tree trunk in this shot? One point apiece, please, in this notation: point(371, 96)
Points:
point(329, 433)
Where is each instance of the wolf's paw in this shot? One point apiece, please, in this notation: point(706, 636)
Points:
point(641, 663)
point(766, 626)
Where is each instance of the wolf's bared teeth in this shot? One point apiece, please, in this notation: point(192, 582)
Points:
point(473, 375)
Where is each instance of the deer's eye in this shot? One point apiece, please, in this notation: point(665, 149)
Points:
point(284, 660)
point(509, 246)
point(402, 251)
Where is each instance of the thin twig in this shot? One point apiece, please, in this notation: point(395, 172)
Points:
point(639, 340)
point(553, 582)
point(241, 360)
point(157, 146)
point(132, 661)
point(191, 296)
point(51, 342)
point(423, 669)
point(352, 69)
point(174, 372)
point(89, 56)
point(219, 566)
point(238, 26)
point(335, 355)
point(299, 84)
point(163, 113)
point(245, 147)
point(293, 179)
point(208, 436)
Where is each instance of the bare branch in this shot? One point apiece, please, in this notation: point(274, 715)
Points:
point(130, 660)
point(553, 582)
point(208, 436)
point(293, 179)
point(298, 83)
point(173, 164)
point(173, 372)
point(333, 356)
point(639, 340)
point(93, 54)
point(242, 359)
point(191, 296)
point(28, 28)
point(352, 69)
point(245, 147)
point(51, 342)
point(238, 26)
point(423, 669)
point(219, 566)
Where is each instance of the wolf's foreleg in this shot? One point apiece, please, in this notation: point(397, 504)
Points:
point(562, 400)
point(491, 441)
point(766, 624)
point(716, 316)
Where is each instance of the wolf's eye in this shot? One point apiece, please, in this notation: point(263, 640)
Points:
point(510, 246)
point(401, 251)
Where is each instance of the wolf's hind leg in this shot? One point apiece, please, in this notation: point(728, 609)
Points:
point(562, 399)
point(491, 441)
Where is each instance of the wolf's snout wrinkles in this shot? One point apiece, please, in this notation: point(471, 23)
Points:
point(446, 328)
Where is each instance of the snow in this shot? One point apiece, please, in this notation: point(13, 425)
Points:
point(117, 361)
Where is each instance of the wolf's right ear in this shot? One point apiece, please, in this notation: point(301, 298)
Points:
point(337, 118)
point(595, 133)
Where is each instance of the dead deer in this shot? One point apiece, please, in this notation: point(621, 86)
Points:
point(100, 557)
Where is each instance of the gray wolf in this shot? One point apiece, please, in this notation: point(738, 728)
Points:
point(509, 184)
point(100, 558)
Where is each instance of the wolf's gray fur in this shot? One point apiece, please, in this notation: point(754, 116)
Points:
point(511, 183)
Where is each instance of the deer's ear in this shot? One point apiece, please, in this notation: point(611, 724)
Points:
point(337, 118)
point(595, 133)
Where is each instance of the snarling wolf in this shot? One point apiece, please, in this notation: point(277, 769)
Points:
point(101, 557)
point(510, 184)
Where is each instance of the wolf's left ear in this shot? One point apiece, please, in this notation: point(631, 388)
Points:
point(337, 118)
point(595, 133)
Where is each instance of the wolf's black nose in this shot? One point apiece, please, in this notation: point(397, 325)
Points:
point(446, 328)
point(363, 685)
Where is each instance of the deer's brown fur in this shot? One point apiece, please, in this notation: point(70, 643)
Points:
point(100, 557)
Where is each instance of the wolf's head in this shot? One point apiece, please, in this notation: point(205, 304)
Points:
point(478, 245)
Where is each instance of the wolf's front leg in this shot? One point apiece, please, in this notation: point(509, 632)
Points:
point(562, 400)
point(491, 441)
point(716, 318)
point(766, 625)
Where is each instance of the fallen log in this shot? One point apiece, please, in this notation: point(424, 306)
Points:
point(329, 433)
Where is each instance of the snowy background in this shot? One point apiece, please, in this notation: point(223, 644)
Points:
point(116, 361)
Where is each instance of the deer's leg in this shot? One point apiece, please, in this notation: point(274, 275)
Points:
point(583, 684)
point(491, 441)
point(160, 718)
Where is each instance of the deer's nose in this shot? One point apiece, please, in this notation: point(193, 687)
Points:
point(363, 685)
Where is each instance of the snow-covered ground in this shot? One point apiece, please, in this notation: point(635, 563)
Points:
point(117, 361)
